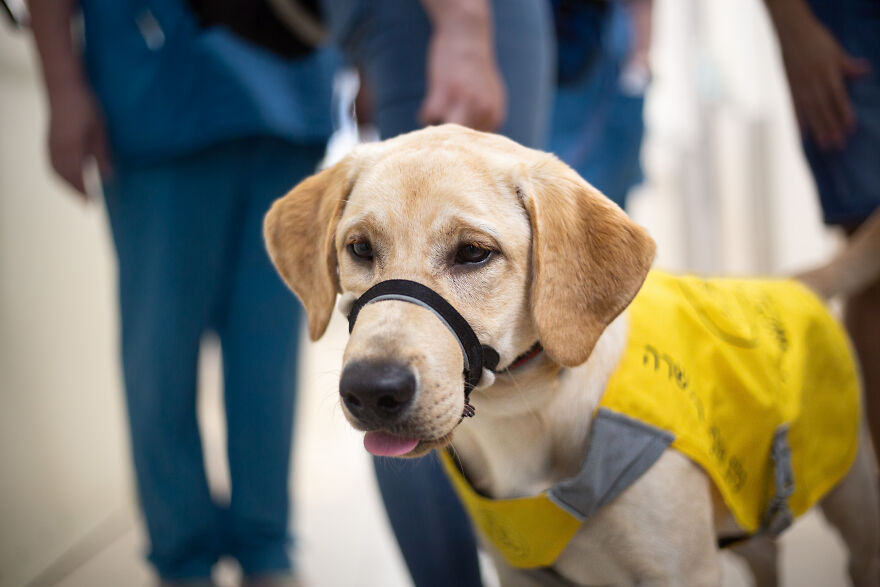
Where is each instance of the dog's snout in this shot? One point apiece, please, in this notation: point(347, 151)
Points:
point(377, 392)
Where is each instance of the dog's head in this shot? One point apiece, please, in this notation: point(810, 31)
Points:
point(522, 247)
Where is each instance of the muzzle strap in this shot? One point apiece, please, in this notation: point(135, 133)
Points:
point(476, 356)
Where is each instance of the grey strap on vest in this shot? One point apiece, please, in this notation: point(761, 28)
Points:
point(778, 517)
point(621, 449)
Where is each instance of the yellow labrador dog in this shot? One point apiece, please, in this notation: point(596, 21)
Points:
point(485, 279)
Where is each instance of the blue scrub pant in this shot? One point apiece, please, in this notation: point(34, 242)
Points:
point(188, 236)
point(390, 45)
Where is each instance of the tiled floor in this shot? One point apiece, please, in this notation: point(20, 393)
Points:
point(344, 540)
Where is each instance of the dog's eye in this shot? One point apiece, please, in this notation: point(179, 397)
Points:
point(361, 250)
point(471, 254)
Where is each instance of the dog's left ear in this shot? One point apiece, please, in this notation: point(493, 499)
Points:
point(588, 259)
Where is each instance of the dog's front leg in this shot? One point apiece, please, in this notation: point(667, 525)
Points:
point(659, 532)
point(703, 571)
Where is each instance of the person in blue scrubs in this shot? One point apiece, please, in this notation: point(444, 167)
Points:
point(195, 132)
point(831, 53)
point(487, 65)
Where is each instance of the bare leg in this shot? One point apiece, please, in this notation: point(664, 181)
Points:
point(863, 324)
point(760, 553)
point(853, 507)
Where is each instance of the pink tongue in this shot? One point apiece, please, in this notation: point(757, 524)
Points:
point(383, 444)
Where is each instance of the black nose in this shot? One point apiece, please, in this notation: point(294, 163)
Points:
point(377, 392)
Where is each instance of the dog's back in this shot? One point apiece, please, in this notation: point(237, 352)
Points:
point(755, 380)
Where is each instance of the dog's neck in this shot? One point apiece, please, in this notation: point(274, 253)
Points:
point(531, 429)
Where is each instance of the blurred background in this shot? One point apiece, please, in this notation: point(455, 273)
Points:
point(726, 191)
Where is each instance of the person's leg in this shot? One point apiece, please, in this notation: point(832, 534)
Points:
point(597, 125)
point(525, 46)
point(166, 222)
point(390, 45)
point(392, 57)
point(598, 131)
point(862, 317)
point(434, 532)
point(259, 332)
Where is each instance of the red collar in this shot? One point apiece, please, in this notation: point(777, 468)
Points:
point(526, 356)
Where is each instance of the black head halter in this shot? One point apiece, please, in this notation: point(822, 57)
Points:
point(476, 356)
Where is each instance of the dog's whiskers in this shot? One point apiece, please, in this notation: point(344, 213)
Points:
point(521, 394)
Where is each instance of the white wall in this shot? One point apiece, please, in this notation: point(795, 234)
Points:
point(728, 190)
point(63, 465)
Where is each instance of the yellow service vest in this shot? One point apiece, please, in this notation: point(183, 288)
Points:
point(752, 379)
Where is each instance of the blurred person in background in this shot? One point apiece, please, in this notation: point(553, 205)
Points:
point(602, 75)
point(831, 53)
point(195, 132)
point(486, 65)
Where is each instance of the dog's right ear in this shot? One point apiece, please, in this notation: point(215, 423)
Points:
point(300, 230)
point(588, 259)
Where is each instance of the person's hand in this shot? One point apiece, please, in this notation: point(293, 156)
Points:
point(76, 134)
point(464, 84)
point(817, 69)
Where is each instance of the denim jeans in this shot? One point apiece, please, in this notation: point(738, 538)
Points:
point(597, 127)
point(848, 179)
point(389, 41)
point(188, 237)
